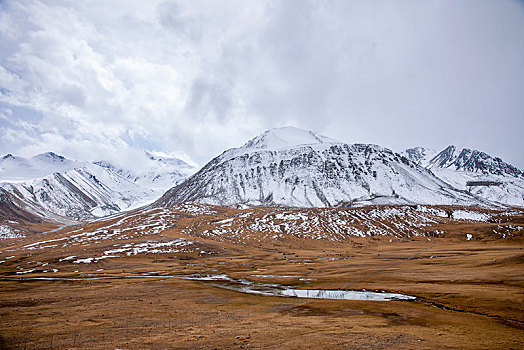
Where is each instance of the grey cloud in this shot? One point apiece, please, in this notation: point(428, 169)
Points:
point(441, 69)
point(171, 16)
point(209, 97)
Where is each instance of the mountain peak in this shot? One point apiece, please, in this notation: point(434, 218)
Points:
point(288, 136)
point(474, 161)
point(50, 156)
point(8, 156)
point(420, 155)
point(450, 149)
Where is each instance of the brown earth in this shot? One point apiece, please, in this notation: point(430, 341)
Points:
point(469, 293)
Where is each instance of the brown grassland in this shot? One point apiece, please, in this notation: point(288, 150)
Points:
point(469, 292)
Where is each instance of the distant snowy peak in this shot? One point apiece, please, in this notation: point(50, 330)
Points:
point(419, 155)
point(80, 193)
point(54, 187)
point(50, 157)
point(286, 137)
point(159, 173)
point(475, 161)
point(168, 161)
point(13, 168)
point(480, 174)
point(445, 158)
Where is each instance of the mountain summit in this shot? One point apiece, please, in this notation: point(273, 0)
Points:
point(286, 137)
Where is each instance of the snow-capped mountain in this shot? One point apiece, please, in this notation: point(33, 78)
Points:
point(16, 169)
point(52, 186)
point(160, 174)
point(286, 137)
point(420, 155)
point(500, 182)
point(468, 160)
point(294, 167)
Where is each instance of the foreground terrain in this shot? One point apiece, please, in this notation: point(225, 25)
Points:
point(178, 277)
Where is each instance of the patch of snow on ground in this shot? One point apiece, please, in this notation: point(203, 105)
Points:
point(7, 232)
point(175, 246)
point(67, 258)
point(433, 211)
point(195, 209)
point(328, 224)
point(470, 215)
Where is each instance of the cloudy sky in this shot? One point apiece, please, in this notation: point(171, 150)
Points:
point(104, 79)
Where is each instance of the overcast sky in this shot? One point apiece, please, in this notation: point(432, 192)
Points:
point(103, 79)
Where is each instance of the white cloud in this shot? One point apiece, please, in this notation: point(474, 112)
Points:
point(97, 78)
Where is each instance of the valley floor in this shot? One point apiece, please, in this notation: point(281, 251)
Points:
point(469, 290)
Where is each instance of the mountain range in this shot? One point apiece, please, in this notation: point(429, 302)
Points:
point(52, 186)
point(282, 167)
point(293, 167)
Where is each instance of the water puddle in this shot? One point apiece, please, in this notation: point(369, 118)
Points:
point(244, 286)
point(345, 294)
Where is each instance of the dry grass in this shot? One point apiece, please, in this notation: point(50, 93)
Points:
point(469, 293)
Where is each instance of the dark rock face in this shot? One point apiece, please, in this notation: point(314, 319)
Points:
point(11, 211)
point(416, 154)
point(473, 161)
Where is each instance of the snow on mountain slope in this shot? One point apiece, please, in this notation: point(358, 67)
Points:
point(12, 213)
point(472, 161)
point(311, 170)
point(53, 187)
point(286, 137)
point(159, 174)
point(84, 192)
point(419, 155)
point(16, 169)
point(460, 166)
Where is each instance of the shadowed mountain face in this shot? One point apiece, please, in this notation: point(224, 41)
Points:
point(10, 211)
point(294, 167)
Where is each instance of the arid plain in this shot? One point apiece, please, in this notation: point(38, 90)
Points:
point(204, 277)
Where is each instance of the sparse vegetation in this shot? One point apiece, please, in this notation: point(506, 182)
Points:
point(469, 292)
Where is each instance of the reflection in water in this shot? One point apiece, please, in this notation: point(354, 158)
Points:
point(245, 286)
point(344, 294)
